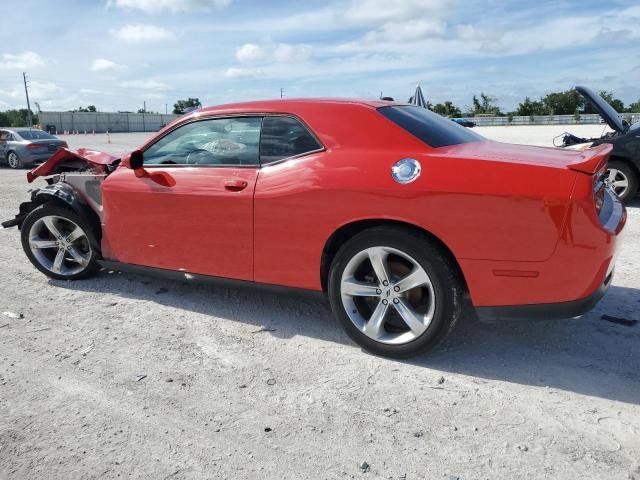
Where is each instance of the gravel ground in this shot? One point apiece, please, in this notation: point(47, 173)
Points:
point(128, 376)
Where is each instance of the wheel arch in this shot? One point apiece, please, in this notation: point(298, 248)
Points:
point(63, 195)
point(633, 163)
point(347, 231)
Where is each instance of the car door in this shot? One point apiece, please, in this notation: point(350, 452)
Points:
point(192, 209)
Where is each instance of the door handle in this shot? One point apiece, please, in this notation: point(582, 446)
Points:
point(235, 185)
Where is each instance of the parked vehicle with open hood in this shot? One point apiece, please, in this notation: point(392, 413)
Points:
point(352, 198)
point(623, 171)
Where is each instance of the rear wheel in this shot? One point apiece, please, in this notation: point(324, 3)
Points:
point(59, 243)
point(395, 291)
point(13, 160)
point(622, 179)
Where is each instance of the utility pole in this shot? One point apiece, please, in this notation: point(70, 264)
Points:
point(26, 92)
point(281, 92)
point(166, 108)
point(144, 106)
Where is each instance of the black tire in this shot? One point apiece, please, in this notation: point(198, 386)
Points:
point(9, 160)
point(448, 287)
point(88, 248)
point(629, 172)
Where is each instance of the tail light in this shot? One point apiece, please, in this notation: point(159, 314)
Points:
point(599, 188)
point(34, 146)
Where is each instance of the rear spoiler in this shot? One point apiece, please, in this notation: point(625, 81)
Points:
point(592, 159)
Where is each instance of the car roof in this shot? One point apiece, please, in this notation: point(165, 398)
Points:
point(283, 105)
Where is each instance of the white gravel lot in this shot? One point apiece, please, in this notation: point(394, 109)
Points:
point(127, 376)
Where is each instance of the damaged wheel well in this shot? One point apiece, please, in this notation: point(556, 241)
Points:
point(61, 195)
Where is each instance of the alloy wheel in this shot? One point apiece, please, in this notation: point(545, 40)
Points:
point(12, 160)
point(387, 295)
point(59, 245)
point(617, 181)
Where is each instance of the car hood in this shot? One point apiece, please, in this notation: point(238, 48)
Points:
point(80, 160)
point(606, 111)
point(588, 161)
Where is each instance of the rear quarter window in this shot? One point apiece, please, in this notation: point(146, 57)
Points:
point(431, 128)
point(285, 137)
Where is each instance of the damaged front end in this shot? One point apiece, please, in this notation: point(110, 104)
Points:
point(74, 180)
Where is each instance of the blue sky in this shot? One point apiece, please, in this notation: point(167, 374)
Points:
point(116, 54)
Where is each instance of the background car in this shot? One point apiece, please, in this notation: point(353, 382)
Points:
point(623, 172)
point(464, 122)
point(351, 198)
point(27, 146)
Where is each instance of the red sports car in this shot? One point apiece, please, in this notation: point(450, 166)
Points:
point(397, 214)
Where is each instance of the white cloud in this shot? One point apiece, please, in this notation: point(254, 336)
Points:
point(102, 64)
point(407, 31)
point(273, 52)
point(376, 11)
point(173, 6)
point(145, 85)
point(286, 53)
point(234, 72)
point(140, 32)
point(37, 90)
point(21, 61)
point(250, 52)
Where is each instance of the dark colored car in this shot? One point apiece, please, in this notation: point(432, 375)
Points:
point(464, 122)
point(623, 172)
point(27, 146)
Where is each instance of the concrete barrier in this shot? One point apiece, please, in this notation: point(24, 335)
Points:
point(585, 119)
point(101, 122)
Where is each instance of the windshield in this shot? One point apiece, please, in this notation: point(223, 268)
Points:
point(431, 128)
point(35, 135)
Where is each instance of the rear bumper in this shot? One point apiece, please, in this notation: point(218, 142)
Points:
point(548, 311)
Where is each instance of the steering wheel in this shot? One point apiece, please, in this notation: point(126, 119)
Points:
point(202, 157)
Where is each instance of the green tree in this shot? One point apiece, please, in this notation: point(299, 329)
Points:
point(528, 108)
point(634, 107)
point(447, 109)
point(616, 103)
point(17, 118)
point(90, 108)
point(485, 105)
point(181, 105)
point(563, 103)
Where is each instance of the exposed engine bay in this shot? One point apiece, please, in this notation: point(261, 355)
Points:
point(73, 179)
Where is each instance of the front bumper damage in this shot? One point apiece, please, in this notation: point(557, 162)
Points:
point(73, 179)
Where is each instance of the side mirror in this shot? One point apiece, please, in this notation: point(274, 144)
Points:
point(136, 160)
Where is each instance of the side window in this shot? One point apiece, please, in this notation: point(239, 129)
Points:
point(284, 137)
point(217, 141)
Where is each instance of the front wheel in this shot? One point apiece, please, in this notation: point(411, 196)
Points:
point(622, 179)
point(13, 160)
point(59, 243)
point(395, 291)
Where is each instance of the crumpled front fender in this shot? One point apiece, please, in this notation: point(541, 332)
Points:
point(87, 158)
